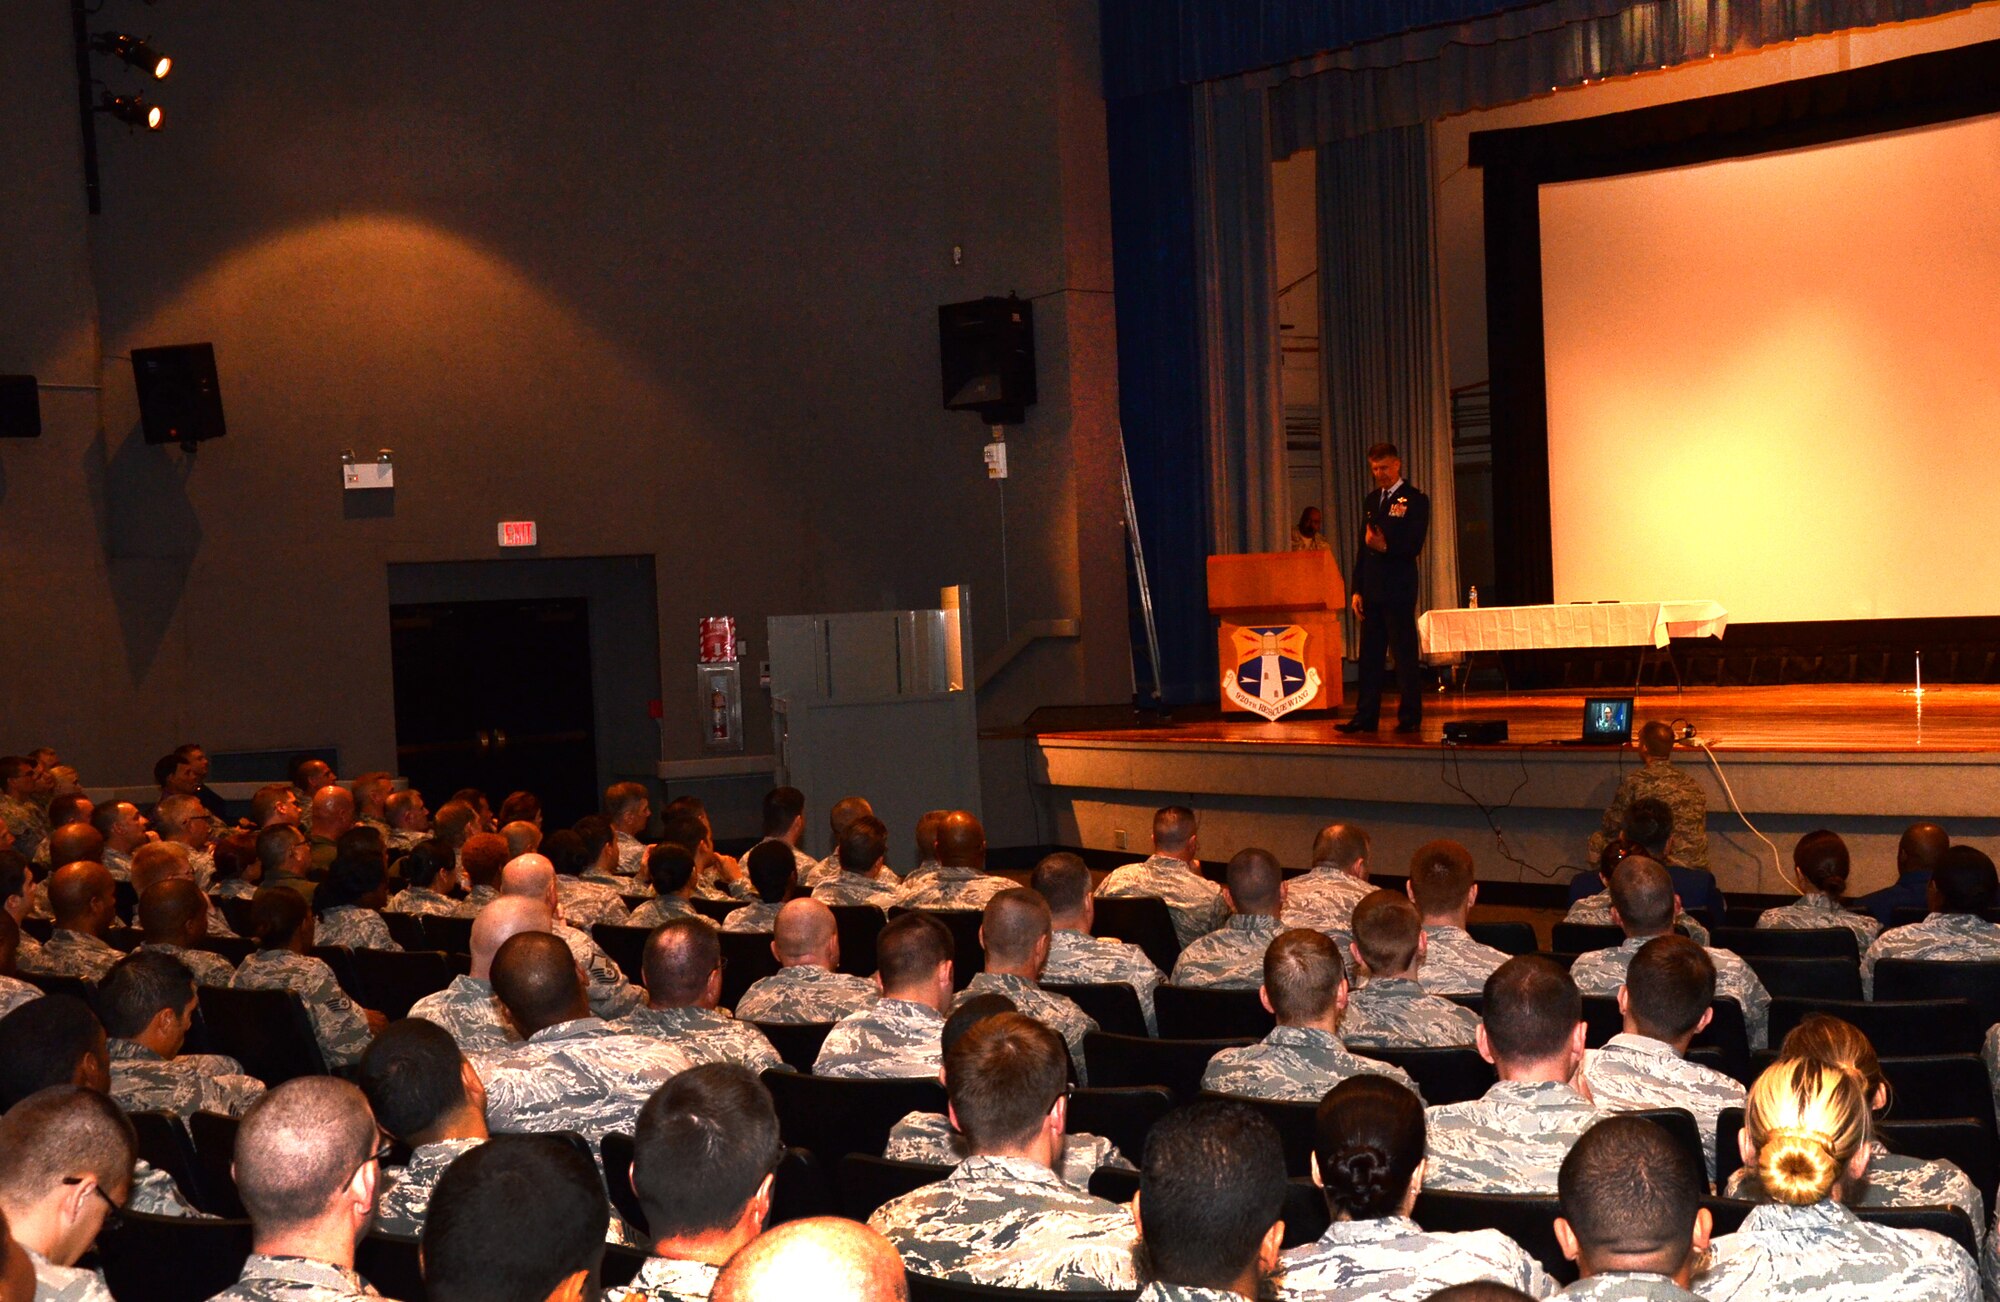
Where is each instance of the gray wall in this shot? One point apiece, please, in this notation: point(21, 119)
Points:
point(661, 277)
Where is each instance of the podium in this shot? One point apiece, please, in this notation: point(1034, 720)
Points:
point(1282, 604)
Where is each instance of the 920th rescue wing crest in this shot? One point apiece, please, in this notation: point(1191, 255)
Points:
point(1270, 676)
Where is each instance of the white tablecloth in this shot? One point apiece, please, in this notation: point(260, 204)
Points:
point(1530, 628)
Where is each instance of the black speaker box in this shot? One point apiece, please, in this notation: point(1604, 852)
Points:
point(987, 348)
point(20, 408)
point(180, 400)
point(1475, 732)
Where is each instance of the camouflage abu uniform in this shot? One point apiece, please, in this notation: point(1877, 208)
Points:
point(425, 902)
point(1076, 959)
point(14, 993)
point(1052, 1011)
point(1818, 912)
point(354, 927)
point(74, 954)
point(1231, 958)
point(154, 1193)
point(845, 887)
point(1512, 1139)
point(1687, 843)
point(1940, 938)
point(611, 995)
point(209, 969)
point(118, 863)
point(473, 1014)
point(585, 904)
point(929, 1137)
point(805, 993)
point(761, 917)
point(406, 1192)
point(1296, 1064)
point(1825, 1251)
point(1391, 1258)
point(1008, 1222)
point(949, 888)
point(143, 1081)
point(704, 1035)
point(1594, 910)
point(660, 910)
point(1324, 900)
point(55, 1283)
point(1989, 1053)
point(1161, 1292)
point(1602, 971)
point(889, 1039)
point(668, 1279)
point(294, 1279)
point(582, 1075)
point(1455, 963)
point(631, 853)
point(29, 824)
point(1893, 1181)
point(1395, 1013)
point(1627, 1286)
point(1632, 1073)
point(1194, 903)
point(337, 1022)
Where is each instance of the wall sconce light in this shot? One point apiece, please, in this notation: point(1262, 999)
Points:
point(378, 473)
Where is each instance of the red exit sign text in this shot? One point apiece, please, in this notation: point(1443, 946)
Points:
point(517, 533)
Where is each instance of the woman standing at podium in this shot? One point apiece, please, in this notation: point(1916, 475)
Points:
point(1396, 520)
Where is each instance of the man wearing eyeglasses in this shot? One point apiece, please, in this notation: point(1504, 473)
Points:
point(184, 820)
point(65, 1170)
point(308, 1159)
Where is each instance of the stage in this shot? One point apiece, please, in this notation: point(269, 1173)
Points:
point(1861, 759)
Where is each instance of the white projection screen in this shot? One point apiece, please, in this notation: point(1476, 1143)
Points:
point(1775, 380)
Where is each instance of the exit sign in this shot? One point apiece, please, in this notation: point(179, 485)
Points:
point(517, 533)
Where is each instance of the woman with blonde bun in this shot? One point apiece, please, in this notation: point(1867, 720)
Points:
point(1893, 1180)
point(1806, 1135)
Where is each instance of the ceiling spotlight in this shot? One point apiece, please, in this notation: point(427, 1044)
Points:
point(133, 111)
point(134, 51)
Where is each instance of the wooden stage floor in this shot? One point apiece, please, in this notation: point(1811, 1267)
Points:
point(1821, 719)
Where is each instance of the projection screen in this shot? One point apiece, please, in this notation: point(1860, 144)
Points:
point(1775, 380)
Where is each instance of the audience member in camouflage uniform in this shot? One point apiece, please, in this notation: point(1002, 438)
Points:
point(24, 791)
point(1210, 1204)
point(468, 1009)
point(897, 1035)
point(1632, 1218)
point(283, 929)
point(1821, 861)
point(1442, 887)
point(716, 876)
point(532, 877)
point(17, 889)
point(1232, 958)
point(860, 855)
point(1392, 1011)
point(671, 870)
point(1173, 876)
point(1665, 1002)
point(147, 1004)
point(1595, 911)
point(1512, 1139)
point(165, 861)
point(430, 876)
point(1893, 1180)
point(1806, 1133)
point(683, 986)
point(66, 1158)
point(1077, 958)
point(1963, 886)
point(584, 904)
point(575, 1072)
point(409, 821)
point(785, 824)
point(1305, 987)
point(1004, 1217)
point(173, 918)
point(1014, 932)
point(1324, 898)
point(628, 807)
point(703, 1155)
point(13, 992)
point(184, 821)
point(841, 817)
point(770, 868)
point(826, 1258)
point(1369, 1153)
point(307, 1168)
point(1643, 896)
point(83, 898)
point(806, 988)
point(1658, 779)
point(124, 830)
point(961, 881)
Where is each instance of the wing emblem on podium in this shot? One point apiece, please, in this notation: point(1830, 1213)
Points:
point(1270, 676)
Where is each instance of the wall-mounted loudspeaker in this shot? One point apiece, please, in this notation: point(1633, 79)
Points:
point(987, 348)
point(20, 408)
point(180, 400)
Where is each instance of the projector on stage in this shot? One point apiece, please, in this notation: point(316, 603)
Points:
point(1475, 732)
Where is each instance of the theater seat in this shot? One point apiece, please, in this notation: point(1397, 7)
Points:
point(1142, 921)
point(164, 1142)
point(1456, 1075)
point(798, 1043)
point(172, 1258)
point(1777, 942)
point(1125, 1115)
point(1113, 1005)
point(1305, 1206)
point(1527, 1219)
point(1976, 983)
point(834, 1117)
point(858, 926)
point(406, 929)
point(214, 1138)
point(1186, 1014)
point(1515, 938)
point(391, 982)
point(1137, 1060)
point(866, 1182)
point(625, 946)
point(390, 1264)
point(1294, 1122)
point(265, 1030)
point(1897, 1028)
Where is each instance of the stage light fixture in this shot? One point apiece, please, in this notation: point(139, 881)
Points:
point(133, 111)
point(135, 51)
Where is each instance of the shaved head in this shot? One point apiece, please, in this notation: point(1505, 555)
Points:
point(1643, 894)
point(1921, 847)
point(844, 812)
point(75, 889)
point(1255, 880)
point(157, 861)
point(332, 810)
point(501, 921)
point(961, 841)
point(1014, 923)
point(62, 1132)
point(536, 978)
point(298, 1147)
point(521, 837)
point(531, 876)
point(75, 843)
point(822, 1257)
point(172, 912)
point(681, 956)
point(804, 928)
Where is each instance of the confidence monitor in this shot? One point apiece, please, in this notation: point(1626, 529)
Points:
point(180, 399)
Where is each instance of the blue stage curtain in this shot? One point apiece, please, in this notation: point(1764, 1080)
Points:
point(1243, 401)
point(1382, 366)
